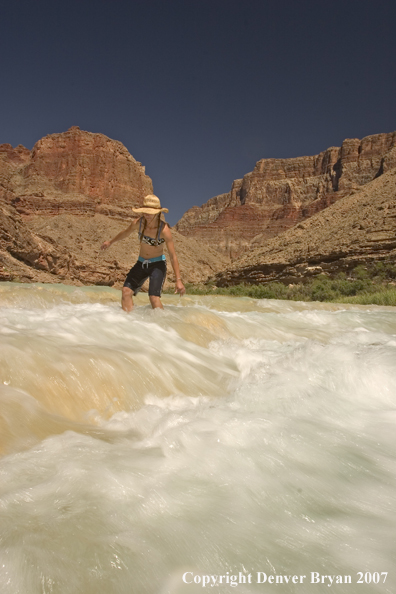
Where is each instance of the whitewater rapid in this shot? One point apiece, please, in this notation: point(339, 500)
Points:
point(144, 452)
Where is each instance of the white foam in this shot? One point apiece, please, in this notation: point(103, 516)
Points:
point(219, 441)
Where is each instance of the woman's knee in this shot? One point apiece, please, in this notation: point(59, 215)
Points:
point(155, 302)
point(126, 300)
point(127, 292)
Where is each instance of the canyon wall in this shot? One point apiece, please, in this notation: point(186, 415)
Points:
point(62, 199)
point(279, 193)
point(75, 189)
point(357, 230)
point(74, 172)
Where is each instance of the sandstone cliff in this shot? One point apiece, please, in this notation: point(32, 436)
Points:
point(280, 193)
point(358, 229)
point(66, 249)
point(75, 171)
point(61, 200)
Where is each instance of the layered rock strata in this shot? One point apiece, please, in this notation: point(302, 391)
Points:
point(76, 172)
point(66, 249)
point(61, 200)
point(357, 230)
point(280, 193)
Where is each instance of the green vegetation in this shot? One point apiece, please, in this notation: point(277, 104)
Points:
point(371, 285)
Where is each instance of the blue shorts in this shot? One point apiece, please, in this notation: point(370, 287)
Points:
point(154, 269)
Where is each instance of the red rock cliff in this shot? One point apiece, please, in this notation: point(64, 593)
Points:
point(74, 171)
point(80, 177)
point(279, 193)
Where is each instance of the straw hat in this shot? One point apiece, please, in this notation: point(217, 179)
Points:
point(151, 205)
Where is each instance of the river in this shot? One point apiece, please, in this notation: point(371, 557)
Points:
point(246, 442)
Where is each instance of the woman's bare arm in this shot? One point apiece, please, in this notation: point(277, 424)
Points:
point(166, 232)
point(121, 235)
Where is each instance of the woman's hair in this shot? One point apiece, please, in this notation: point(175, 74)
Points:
point(144, 226)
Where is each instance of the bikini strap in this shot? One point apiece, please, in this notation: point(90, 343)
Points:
point(140, 226)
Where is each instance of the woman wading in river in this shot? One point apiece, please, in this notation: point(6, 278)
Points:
point(153, 232)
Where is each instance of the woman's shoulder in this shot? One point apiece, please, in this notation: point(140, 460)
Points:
point(166, 232)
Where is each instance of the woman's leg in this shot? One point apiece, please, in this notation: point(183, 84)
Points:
point(156, 302)
point(157, 279)
point(126, 300)
point(133, 282)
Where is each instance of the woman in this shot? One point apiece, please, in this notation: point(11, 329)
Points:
point(153, 232)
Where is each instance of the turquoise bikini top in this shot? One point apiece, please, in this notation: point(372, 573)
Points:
point(150, 240)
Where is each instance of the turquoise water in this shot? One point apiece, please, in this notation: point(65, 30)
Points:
point(219, 437)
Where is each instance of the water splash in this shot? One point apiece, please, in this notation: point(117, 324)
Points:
point(221, 435)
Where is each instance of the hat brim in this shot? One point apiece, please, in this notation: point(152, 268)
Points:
point(145, 209)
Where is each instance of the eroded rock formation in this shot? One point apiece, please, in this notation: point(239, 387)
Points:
point(66, 249)
point(75, 172)
point(61, 200)
point(357, 230)
point(280, 193)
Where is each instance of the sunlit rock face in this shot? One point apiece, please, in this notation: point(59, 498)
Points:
point(359, 229)
point(66, 181)
point(61, 200)
point(280, 193)
point(66, 248)
point(75, 171)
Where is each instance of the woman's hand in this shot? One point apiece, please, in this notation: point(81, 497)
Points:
point(105, 245)
point(180, 288)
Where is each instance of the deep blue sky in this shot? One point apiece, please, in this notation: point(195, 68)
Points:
point(199, 90)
